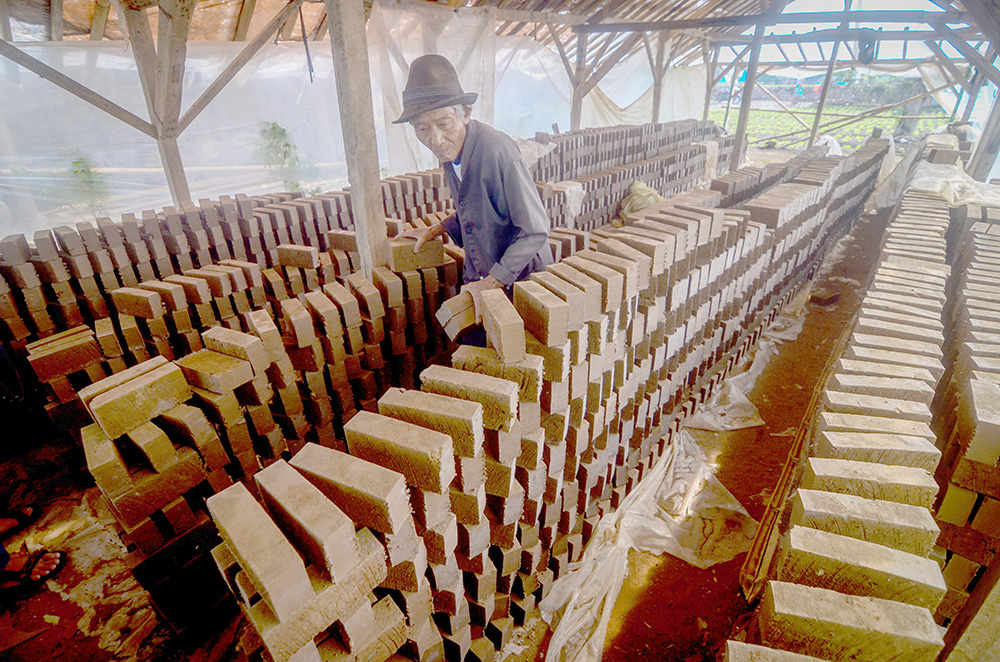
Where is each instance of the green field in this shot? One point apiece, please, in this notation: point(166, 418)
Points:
point(767, 123)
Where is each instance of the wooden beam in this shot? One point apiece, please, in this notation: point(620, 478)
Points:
point(243, 22)
point(100, 20)
point(171, 51)
point(728, 67)
point(950, 70)
point(55, 20)
point(740, 144)
point(838, 34)
point(875, 16)
point(986, 14)
point(346, 19)
point(79, 90)
point(545, 17)
point(827, 81)
point(710, 82)
point(985, 155)
point(234, 67)
point(609, 62)
point(971, 54)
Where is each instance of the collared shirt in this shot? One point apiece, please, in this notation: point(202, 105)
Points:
point(499, 218)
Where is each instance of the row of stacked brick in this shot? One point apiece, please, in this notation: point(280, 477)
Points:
point(584, 152)
point(484, 484)
point(339, 339)
point(968, 510)
point(858, 575)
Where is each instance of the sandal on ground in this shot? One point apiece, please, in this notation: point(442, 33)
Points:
point(15, 579)
point(23, 519)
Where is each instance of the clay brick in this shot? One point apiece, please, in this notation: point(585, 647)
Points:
point(369, 494)
point(104, 461)
point(214, 371)
point(301, 257)
point(851, 626)
point(884, 448)
point(462, 420)
point(189, 425)
point(323, 533)
point(737, 651)
point(907, 528)
point(504, 326)
point(857, 567)
point(423, 456)
point(155, 445)
point(269, 560)
point(138, 303)
point(911, 485)
point(546, 316)
point(125, 401)
point(240, 345)
point(526, 373)
point(497, 396)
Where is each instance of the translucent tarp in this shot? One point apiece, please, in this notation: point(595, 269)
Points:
point(57, 151)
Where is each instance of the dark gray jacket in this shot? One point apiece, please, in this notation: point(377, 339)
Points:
point(499, 219)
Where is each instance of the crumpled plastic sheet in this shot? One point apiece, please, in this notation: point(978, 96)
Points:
point(711, 159)
point(833, 147)
point(640, 195)
point(575, 194)
point(953, 184)
point(679, 508)
point(532, 151)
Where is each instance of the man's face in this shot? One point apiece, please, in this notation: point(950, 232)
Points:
point(442, 131)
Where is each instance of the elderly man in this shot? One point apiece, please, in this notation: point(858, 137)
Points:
point(499, 218)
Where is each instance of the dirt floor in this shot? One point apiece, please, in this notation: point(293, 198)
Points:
point(670, 611)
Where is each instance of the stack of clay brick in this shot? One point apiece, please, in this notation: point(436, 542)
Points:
point(969, 505)
point(579, 153)
point(858, 574)
point(504, 462)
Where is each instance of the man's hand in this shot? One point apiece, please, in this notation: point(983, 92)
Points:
point(422, 235)
point(476, 288)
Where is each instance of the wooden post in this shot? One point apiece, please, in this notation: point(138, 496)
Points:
point(576, 107)
point(977, 85)
point(822, 95)
point(100, 20)
point(659, 71)
point(729, 99)
point(985, 154)
point(346, 19)
point(709, 81)
point(55, 20)
point(740, 145)
point(5, 32)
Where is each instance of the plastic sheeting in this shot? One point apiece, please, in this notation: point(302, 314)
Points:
point(44, 129)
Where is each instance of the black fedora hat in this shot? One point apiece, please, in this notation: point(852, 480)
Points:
point(431, 84)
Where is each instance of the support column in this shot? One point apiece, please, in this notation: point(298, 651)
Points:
point(576, 107)
point(346, 19)
point(822, 96)
point(985, 154)
point(659, 71)
point(740, 147)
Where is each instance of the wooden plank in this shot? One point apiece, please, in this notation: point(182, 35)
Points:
point(985, 67)
point(968, 543)
point(238, 63)
point(346, 19)
point(949, 67)
point(43, 70)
